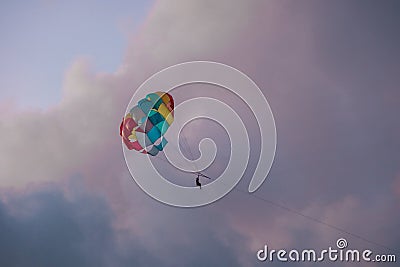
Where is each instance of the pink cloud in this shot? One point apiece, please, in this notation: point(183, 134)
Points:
point(276, 45)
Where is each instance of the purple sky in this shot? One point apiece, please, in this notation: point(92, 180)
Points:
point(328, 69)
point(41, 39)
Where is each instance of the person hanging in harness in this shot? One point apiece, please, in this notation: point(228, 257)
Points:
point(198, 179)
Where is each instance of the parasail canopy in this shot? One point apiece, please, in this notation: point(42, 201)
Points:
point(144, 126)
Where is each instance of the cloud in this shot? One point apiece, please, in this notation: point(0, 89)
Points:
point(336, 157)
point(46, 227)
point(396, 186)
point(42, 228)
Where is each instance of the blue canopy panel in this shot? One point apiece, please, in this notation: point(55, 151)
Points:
point(154, 134)
point(155, 99)
point(163, 127)
point(162, 144)
point(155, 117)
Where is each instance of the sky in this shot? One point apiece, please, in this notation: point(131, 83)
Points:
point(47, 36)
point(328, 69)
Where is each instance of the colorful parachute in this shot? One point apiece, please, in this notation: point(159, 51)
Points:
point(143, 128)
